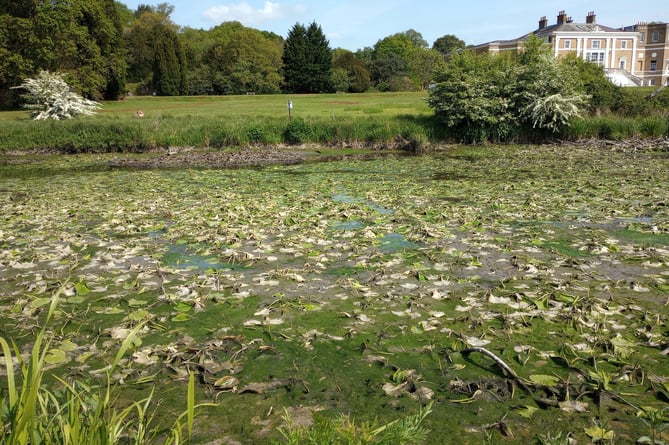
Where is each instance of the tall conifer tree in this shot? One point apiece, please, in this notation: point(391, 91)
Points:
point(307, 60)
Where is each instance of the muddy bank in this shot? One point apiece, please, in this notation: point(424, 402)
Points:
point(212, 159)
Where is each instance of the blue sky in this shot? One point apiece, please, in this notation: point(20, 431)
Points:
point(355, 24)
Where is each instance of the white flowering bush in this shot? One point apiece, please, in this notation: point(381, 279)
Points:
point(51, 98)
point(555, 111)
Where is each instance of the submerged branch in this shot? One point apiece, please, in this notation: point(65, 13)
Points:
point(510, 372)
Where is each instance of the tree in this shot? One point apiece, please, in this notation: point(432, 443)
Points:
point(169, 72)
point(448, 44)
point(399, 61)
point(51, 98)
point(307, 60)
point(423, 63)
point(340, 80)
point(247, 59)
point(388, 66)
point(80, 37)
point(548, 93)
point(358, 76)
point(155, 57)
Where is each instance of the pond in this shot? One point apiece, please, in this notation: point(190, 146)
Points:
point(355, 286)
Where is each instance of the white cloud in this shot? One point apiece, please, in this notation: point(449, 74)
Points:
point(245, 13)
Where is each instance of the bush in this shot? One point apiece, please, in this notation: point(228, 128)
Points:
point(297, 132)
point(256, 134)
point(51, 98)
point(484, 97)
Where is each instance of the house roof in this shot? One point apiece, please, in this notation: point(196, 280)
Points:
point(574, 27)
point(562, 27)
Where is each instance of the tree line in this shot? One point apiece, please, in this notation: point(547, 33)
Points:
point(106, 49)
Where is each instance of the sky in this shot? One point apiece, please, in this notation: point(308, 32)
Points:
point(356, 24)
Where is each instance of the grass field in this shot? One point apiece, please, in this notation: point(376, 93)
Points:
point(261, 106)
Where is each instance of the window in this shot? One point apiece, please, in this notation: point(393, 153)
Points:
point(596, 44)
point(651, 82)
point(623, 64)
point(567, 44)
point(596, 57)
point(623, 44)
point(642, 37)
point(653, 65)
point(656, 36)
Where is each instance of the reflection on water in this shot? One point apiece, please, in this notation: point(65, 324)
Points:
point(180, 256)
point(348, 199)
point(393, 242)
point(353, 224)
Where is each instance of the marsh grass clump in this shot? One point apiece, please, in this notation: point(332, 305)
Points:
point(344, 430)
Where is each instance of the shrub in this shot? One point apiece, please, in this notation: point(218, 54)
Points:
point(297, 132)
point(494, 98)
point(52, 98)
point(255, 134)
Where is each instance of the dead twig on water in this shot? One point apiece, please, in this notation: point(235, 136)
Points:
point(510, 372)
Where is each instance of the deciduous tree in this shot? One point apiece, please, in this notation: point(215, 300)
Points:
point(155, 56)
point(80, 37)
point(249, 60)
point(448, 44)
point(357, 72)
point(398, 61)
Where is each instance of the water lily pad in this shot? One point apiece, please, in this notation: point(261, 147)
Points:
point(226, 383)
point(546, 380)
point(56, 357)
point(181, 317)
point(81, 288)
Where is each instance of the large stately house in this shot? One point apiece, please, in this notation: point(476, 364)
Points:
point(632, 55)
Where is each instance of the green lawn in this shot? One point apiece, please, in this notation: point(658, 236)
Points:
point(305, 106)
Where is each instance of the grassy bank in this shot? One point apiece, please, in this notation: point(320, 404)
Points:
point(214, 122)
point(400, 120)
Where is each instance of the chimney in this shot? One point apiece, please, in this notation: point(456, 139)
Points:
point(561, 18)
point(543, 22)
point(590, 18)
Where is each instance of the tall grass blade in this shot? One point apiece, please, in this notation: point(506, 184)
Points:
point(9, 364)
point(125, 345)
point(190, 408)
